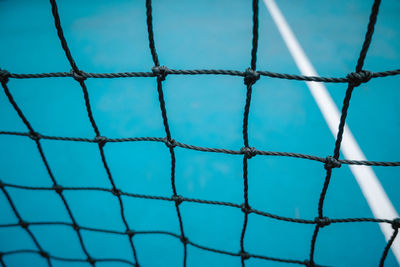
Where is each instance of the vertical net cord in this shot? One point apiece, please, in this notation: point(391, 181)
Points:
point(99, 138)
point(11, 203)
point(161, 74)
point(250, 77)
point(35, 137)
point(346, 103)
point(33, 237)
point(249, 81)
point(389, 243)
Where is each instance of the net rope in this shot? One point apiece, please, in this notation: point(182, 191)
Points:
point(250, 76)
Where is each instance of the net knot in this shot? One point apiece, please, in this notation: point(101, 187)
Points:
point(309, 263)
point(357, 78)
point(58, 188)
point(244, 255)
point(331, 162)
point(160, 72)
point(75, 226)
point(91, 260)
point(245, 208)
point(322, 221)
point(1, 184)
point(184, 239)
point(35, 136)
point(250, 77)
point(396, 223)
point(77, 75)
point(101, 140)
point(4, 75)
point(171, 143)
point(130, 233)
point(248, 152)
point(44, 254)
point(178, 199)
point(23, 224)
point(116, 192)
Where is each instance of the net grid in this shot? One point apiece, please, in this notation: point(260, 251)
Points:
point(250, 75)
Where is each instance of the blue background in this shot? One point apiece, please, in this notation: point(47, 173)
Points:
point(107, 36)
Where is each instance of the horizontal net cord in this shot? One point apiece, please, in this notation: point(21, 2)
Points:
point(207, 149)
point(202, 247)
point(4, 74)
point(57, 258)
point(200, 201)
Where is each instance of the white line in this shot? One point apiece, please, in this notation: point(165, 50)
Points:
point(370, 186)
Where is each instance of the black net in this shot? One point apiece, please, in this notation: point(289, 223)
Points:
point(251, 75)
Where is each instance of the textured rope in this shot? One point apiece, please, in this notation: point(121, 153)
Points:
point(351, 76)
point(77, 75)
point(219, 251)
point(200, 201)
point(396, 226)
point(242, 151)
point(249, 79)
point(25, 227)
point(36, 138)
point(161, 73)
point(355, 79)
point(251, 75)
point(49, 256)
point(136, 233)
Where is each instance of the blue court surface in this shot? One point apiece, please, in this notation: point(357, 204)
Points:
point(203, 110)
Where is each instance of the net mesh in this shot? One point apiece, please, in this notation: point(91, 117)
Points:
point(251, 75)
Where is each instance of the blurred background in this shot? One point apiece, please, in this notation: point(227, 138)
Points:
point(111, 36)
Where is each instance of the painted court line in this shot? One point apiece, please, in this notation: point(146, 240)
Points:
point(370, 186)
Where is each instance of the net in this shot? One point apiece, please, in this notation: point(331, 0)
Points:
point(251, 75)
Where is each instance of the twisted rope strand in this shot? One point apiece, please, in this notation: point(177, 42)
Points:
point(210, 149)
point(112, 75)
point(77, 75)
point(160, 73)
point(250, 76)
